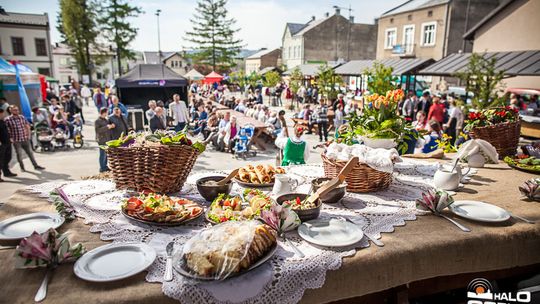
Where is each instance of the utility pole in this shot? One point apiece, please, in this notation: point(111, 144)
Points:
point(118, 59)
point(158, 38)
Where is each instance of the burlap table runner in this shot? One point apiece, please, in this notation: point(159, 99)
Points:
point(426, 248)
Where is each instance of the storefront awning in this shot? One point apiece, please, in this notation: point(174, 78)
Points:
point(520, 63)
point(400, 66)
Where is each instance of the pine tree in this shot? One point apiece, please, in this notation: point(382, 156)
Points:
point(213, 34)
point(76, 23)
point(113, 19)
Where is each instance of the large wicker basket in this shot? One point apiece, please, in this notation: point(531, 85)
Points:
point(160, 168)
point(361, 179)
point(504, 137)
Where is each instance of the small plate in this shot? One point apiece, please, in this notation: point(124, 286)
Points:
point(330, 233)
point(479, 211)
point(250, 185)
point(114, 262)
point(22, 226)
point(181, 267)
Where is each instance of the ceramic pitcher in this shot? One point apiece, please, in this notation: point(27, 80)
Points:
point(446, 180)
point(284, 184)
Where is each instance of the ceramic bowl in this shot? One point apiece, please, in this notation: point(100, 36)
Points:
point(210, 192)
point(304, 215)
point(334, 196)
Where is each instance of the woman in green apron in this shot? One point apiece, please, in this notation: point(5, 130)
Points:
point(295, 148)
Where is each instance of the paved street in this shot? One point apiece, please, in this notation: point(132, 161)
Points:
point(72, 164)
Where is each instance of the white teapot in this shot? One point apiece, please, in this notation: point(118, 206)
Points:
point(284, 184)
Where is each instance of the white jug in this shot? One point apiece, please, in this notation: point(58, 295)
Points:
point(284, 184)
point(461, 172)
point(446, 180)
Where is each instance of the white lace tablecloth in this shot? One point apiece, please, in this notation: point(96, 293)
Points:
point(285, 277)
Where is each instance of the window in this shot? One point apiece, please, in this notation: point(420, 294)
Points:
point(391, 20)
point(430, 13)
point(408, 38)
point(17, 44)
point(41, 47)
point(63, 61)
point(409, 17)
point(428, 33)
point(390, 38)
point(179, 64)
point(44, 71)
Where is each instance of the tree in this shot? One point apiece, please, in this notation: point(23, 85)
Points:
point(271, 79)
point(483, 80)
point(327, 81)
point(295, 82)
point(254, 80)
point(380, 79)
point(116, 27)
point(76, 23)
point(213, 34)
point(240, 78)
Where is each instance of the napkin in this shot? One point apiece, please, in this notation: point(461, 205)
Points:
point(478, 146)
point(434, 201)
point(378, 159)
point(531, 189)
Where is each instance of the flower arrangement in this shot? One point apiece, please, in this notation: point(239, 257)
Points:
point(445, 143)
point(380, 120)
point(434, 201)
point(48, 249)
point(61, 203)
point(280, 218)
point(490, 117)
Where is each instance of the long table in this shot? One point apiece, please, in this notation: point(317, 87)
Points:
point(426, 249)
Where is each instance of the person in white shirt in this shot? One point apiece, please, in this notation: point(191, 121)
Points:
point(86, 94)
point(408, 106)
point(151, 111)
point(295, 148)
point(455, 121)
point(179, 113)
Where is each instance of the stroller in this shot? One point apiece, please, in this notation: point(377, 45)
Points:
point(243, 145)
point(44, 138)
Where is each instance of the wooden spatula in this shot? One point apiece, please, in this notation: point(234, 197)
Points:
point(334, 182)
point(228, 178)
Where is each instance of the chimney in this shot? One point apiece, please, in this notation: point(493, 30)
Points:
point(327, 14)
point(351, 19)
point(337, 10)
point(312, 18)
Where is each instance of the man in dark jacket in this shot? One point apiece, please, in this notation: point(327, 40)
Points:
point(119, 122)
point(103, 135)
point(5, 148)
point(158, 122)
point(423, 104)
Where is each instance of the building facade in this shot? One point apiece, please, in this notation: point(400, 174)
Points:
point(330, 39)
point(26, 38)
point(263, 59)
point(174, 60)
point(516, 21)
point(65, 67)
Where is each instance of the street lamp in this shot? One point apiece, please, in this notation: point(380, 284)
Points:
point(158, 38)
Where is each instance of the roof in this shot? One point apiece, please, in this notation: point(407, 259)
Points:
point(153, 57)
point(400, 66)
point(27, 19)
point(194, 75)
point(308, 69)
point(8, 68)
point(261, 53)
point(311, 25)
point(170, 55)
point(150, 76)
point(268, 69)
point(294, 27)
point(213, 74)
point(470, 33)
point(522, 63)
point(413, 5)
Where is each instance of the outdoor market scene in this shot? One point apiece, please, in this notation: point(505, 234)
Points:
point(214, 151)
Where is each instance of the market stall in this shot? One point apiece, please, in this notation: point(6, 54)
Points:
point(194, 75)
point(31, 82)
point(212, 78)
point(150, 81)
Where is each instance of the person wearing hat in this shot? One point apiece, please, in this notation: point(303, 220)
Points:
point(295, 148)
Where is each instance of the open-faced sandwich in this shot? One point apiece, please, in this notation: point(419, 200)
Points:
point(226, 249)
point(229, 208)
point(157, 208)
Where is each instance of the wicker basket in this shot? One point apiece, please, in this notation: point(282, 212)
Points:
point(504, 137)
point(161, 168)
point(361, 179)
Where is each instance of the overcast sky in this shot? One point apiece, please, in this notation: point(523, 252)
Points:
point(261, 22)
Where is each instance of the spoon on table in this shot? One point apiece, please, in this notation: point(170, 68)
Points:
point(231, 175)
point(7, 247)
point(41, 294)
point(334, 182)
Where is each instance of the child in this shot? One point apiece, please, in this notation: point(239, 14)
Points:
point(429, 143)
point(295, 148)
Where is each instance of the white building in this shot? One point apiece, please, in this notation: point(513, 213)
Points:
point(263, 59)
point(174, 60)
point(65, 68)
point(26, 38)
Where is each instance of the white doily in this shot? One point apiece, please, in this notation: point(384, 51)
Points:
point(285, 277)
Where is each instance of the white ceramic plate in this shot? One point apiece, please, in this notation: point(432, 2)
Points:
point(479, 211)
point(88, 187)
point(114, 262)
point(22, 226)
point(330, 233)
point(108, 201)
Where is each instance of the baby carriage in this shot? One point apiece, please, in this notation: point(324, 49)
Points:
point(44, 138)
point(242, 148)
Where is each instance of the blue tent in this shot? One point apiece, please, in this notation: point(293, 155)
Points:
point(20, 86)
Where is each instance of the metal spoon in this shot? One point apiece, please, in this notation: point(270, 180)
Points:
point(295, 249)
point(168, 267)
point(42, 291)
point(455, 223)
point(522, 218)
point(7, 247)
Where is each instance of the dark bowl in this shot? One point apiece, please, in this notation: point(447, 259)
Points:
point(334, 196)
point(304, 215)
point(211, 192)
